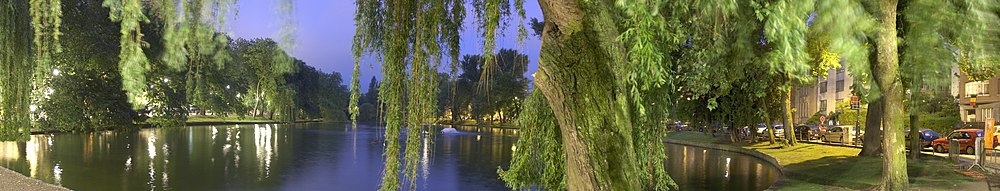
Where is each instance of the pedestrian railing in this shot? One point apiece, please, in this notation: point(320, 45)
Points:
point(991, 159)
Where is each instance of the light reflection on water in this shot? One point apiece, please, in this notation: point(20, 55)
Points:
point(318, 156)
point(717, 170)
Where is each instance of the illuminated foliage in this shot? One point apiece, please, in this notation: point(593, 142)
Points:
point(16, 69)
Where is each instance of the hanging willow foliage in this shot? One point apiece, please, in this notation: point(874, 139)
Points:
point(539, 159)
point(409, 35)
point(46, 20)
point(133, 63)
point(15, 69)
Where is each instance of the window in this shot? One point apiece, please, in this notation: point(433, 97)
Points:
point(840, 70)
point(970, 115)
point(822, 106)
point(986, 113)
point(980, 88)
point(840, 85)
point(822, 87)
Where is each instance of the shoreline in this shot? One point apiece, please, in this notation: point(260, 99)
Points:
point(189, 124)
point(478, 125)
point(12, 180)
point(811, 166)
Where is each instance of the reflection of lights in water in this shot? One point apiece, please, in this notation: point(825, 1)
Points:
point(151, 152)
point(50, 141)
point(425, 160)
point(151, 144)
point(31, 152)
point(9, 150)
point(58, 174)
point(128, 164)
point(477, 137)
point(263, 144)
point(513, 148)
point(166, 179)
point(727, 166)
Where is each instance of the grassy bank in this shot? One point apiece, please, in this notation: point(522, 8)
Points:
point(823, 167)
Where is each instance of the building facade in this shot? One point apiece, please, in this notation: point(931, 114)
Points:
point(987, 94)
point(822, 96)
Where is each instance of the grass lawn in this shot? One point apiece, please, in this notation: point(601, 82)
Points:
point(822, 167)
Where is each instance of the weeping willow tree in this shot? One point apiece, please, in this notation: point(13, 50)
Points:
point(935, 35)
point(407, 37)
point(16, 68)
point(192, 41)
point(190, 32)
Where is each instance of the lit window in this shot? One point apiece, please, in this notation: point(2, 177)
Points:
point(980, 88)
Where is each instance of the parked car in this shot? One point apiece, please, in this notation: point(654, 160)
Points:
point(779, 131)
point(966, 140)
point(807, 132)
point(927, 137)
point(840, 134)
point(761, 129)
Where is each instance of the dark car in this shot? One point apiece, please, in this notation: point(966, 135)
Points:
point(807, 132)
point(927, 137)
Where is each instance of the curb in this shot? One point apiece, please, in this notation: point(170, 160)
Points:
point(735, 149)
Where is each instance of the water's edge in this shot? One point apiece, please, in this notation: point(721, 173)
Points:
point(729, 148)
point(12, 180)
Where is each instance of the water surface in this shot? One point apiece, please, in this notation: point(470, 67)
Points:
point(317, 156)
point(314, 156)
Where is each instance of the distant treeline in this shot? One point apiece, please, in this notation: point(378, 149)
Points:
point(492, 96)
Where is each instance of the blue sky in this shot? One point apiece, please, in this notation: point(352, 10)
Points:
point(325, 28)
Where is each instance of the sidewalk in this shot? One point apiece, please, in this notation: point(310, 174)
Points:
point(10, 180)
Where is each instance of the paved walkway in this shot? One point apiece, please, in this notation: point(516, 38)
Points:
point(10, 180)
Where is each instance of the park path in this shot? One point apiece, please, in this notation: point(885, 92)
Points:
point(10, 180)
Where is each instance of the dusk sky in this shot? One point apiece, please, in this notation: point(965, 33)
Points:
point(325, 28)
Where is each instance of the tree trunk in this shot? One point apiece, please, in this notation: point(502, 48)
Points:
point(873, 130)
point(894, 175)
point(787, 116)
point(770, 129)
point(578, 51)
point(16, 69)
point(915, 146)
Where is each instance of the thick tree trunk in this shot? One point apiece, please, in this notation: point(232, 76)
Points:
point(16, 68)
point(873, 130)
point(787, 118)
point(578, 51)
point(894, 175)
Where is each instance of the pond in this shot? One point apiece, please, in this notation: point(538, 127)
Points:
point(314, 156)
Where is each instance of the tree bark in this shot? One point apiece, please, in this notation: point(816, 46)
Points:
point(894, 175)
point(575, 74)
point(873, 130)
point(770, 129)
point(915, 146)
point(787, 116)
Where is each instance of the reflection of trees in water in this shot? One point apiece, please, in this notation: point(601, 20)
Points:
point(696, 168)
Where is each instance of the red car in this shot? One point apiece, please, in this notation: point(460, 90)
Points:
point(966, 140)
